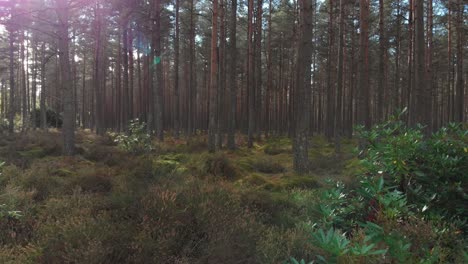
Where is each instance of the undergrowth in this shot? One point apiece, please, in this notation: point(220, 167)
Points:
point(173, 202)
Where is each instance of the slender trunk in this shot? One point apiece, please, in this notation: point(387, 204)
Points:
point(34, 86)
point(125, 88)
point(258, 68)
point(330, 82)
point(339, 86)
point(84, 112)
point(231, 144)
point(68, 129)
point(158, 73)
point(43, 89)
point(422, 109)
point(382, 60)
point(12, 110)
point(459, 104)
point(176, 72)
point(131, 66)
point(397, 85)
point(213, 80)
point(363, 114)
point(303, 91)
point(250, 76)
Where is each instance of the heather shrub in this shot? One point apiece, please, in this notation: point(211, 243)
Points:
point(220, 165)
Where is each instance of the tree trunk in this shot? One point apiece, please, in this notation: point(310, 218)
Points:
point(422, 95)
point(176, 73)
point(43, 89)
point(339, 86)
point(158, 73)
point(303, 90)
point(12, 110)
point(250, 76)
point(460, 98)
point(232, 103)
point(382, 60)
point(68, 129)
point(212, 124)
point(363, 115)
point(330, 82)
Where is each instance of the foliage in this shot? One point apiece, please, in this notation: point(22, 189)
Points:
point(410, 185)
point(220, 165)
point(136, 140)
point(430, 170)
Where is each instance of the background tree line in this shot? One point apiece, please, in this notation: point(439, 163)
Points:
point(261, 67)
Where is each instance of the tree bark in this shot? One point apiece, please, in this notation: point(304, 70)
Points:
point(232, 100)
point(12, 110)
point(339, 83)
point(212, 124)
point(303, 90)
point(363, 115)
point(176, 73)
point(250, 76)
point(68, 129)
point(460, 98)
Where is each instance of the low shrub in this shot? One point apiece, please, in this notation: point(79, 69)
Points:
point(268, 165)
point(198, 223)
point(94, 183)
point(220, 165)
point(136, 140)
point(277, 145)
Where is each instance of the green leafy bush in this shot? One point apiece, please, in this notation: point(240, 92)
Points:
point(411, 185)
point(137, 140)
point(432, 171)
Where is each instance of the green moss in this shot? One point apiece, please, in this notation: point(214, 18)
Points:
point(293, 182)
point(33, 153)
point(268, 165)
point(277, 145)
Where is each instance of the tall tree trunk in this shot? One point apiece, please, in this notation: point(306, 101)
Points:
point(84, 111)
point(397, 85)
point(34, 85)
point(363, 115)
point(330, 82)
point(231, 144)
point(23, 83)
point(43, 89)
point(12, 110)
point(382, 60)
point(339, 86)
point(97, 108)
point(176, 72)
point(460, 98)
point(125, 87)
point(250, 75)
point(221, 119)
point(158, 74)
point(303, 91)
point(421, 93)
point(258, 68)
point(131, 66)
point(68, 129)
point(192, 78)
point(213, 80)
point(428, 76)
point(410, 96)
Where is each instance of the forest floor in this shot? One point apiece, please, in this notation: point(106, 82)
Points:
point(176, 204)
